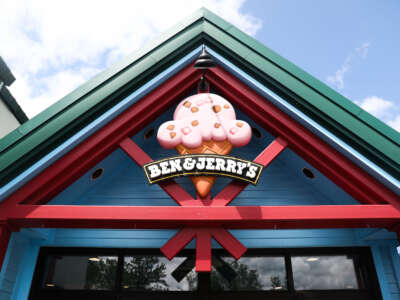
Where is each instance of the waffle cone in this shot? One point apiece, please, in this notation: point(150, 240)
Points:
point(203, 184)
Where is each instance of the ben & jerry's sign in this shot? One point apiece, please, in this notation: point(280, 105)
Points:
point(203, 131)
point(203, 165)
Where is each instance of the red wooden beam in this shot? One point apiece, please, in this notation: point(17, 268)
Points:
point(229, 242)
point(245, 217)
point(203, 250)
point(234, 188)
point(79, 160)
point(5, 234)
point(322, 156)
point(178, 242)
point(174, 190)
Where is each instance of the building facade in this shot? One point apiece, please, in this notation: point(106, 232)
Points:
point(79, 219)
point(11, 114)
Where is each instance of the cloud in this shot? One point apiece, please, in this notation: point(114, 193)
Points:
point(363, 49)
point(376, 106)
point(385, 110)
point(337, 79)
point(395, 123)
point(54, 46)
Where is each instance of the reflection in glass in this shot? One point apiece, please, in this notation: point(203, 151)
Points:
point(248, 274)
point(323, 273)
point(157, 273)
point(80, 272)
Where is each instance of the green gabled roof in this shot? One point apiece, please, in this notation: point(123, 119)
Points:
point(377, 141)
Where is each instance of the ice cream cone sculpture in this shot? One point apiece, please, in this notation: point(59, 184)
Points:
point(204, 124)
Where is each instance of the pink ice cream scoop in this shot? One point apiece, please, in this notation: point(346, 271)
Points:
point(201, 118)
point(204, 123)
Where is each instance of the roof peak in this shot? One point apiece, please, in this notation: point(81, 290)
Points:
point(54, 125)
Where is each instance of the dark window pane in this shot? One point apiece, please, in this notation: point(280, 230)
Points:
point(80, 272)
point(248, 274)
point(323, 273)
point(157, 273)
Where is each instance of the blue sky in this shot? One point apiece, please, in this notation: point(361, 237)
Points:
point(54, 46)
point(353, 46)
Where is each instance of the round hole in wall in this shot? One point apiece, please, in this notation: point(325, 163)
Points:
point(308, 173)
point(256, 132)
point(97, 173)
point(148, 133)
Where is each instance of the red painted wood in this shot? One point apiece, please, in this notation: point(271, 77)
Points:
point(178, 193)
point(229, 242)
point(330, 162)
point(271, 152)
point(174, 190)
point(178, 242)
point(203, 250)
point(63, 172)
point(5, 234)
point(246, 217)
point(135, 152)
point(75, 163)
point(234, 188)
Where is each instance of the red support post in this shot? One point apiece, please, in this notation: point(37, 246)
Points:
point(203, 250)
point(5, 234)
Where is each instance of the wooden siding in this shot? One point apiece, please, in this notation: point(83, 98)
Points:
point(16, 276)
point(282, 183)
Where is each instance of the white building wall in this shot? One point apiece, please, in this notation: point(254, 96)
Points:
point(7, 120)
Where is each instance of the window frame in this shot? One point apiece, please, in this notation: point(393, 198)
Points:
point(365, 272)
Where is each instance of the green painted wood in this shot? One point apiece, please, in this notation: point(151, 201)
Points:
point(349, 122)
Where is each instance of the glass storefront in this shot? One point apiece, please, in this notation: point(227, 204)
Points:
point(315, 273)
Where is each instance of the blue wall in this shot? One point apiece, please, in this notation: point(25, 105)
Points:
point(282, 183)
point(18, 269)
point(123, 183)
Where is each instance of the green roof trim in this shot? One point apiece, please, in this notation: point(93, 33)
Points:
point(38, 136)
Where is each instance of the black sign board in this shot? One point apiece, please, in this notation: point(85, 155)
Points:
point(203, 165)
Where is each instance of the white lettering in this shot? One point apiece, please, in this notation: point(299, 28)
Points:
point(231, 165)
point(154, 171)
point(175, 165)
point(219, 164)
point(164, 168)
point(210, 161)
point(189, 164)
point(251, 173)
point(201, 163)
point(240, 167)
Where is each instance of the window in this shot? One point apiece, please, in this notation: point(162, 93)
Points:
point(315, 273)
point(157, 273)
point(326, 272)
point(80, 272)
point(254, 273)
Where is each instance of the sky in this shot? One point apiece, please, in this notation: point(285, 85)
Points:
point(52, 47)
